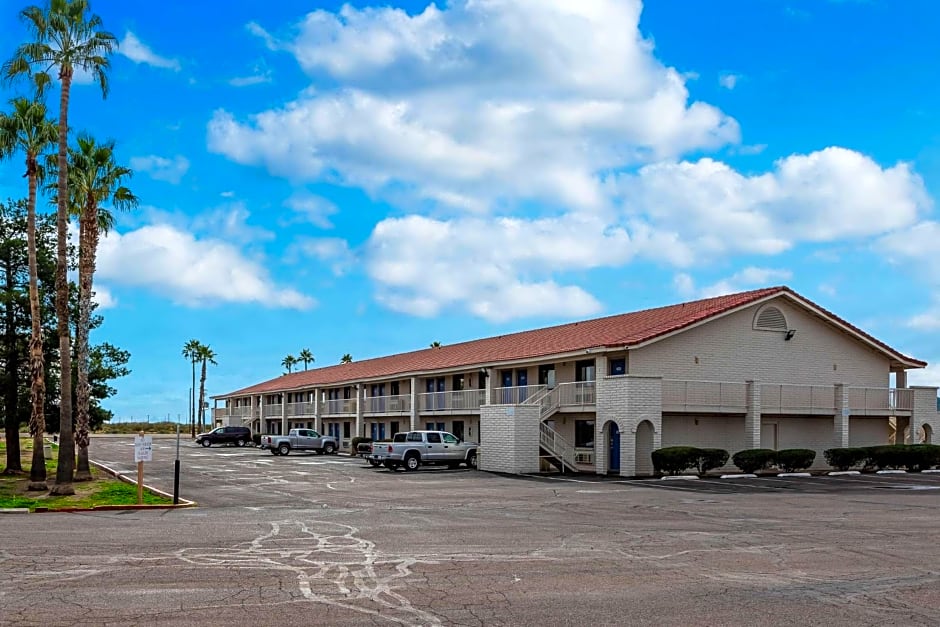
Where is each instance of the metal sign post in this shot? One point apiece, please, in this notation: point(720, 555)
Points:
point(143, 452)
point(176, 469)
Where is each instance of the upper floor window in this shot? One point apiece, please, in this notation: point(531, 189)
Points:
point(618, 366)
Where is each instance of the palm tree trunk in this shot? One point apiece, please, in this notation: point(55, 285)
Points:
point(88, 236)
point(37, 377)
point(11, 367)
point(202, 393)
point(66, 462)
point(192, 395)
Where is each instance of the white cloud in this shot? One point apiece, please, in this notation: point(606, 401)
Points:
point(161, 168)
point(745, 279)
point(260, 74)
point(103, 297)
point(138, 52)
point(729, 80)
point(230, 222)
point(476, 104)
point(313, 209)
point(190, 271)
point(925, 376)
point(334, 250)
point(915, 249)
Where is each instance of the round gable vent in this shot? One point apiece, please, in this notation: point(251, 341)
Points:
point(770, 319)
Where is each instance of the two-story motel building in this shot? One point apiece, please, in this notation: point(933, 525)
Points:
point(761, 369)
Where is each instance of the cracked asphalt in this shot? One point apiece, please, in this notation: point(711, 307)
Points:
point(309, 539)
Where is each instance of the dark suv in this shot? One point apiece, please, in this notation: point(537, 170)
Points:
point(239, 436)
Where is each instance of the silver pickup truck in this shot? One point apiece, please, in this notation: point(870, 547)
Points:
point(299, 440)
point(430, 447)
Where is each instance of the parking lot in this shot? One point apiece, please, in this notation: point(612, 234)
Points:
point(326, 539)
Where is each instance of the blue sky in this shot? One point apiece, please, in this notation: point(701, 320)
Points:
point(367, 179)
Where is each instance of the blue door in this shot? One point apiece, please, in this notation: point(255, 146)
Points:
point(613, 459)
point(522, 380)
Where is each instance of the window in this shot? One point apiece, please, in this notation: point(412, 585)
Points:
point(346, 429)
point(458, 382)
point(618, 366)
point(584, 433)
point(547, 375)
point(313, 434)
point(414, 436)
point(449, 439)
point(347, 392)
point(394, 428)
point(434, 438)
point(394, 388)
point(584, 370)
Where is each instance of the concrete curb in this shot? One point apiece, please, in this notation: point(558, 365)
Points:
point(746, 475)
point(933, 471)
point(133, 481)
point(14, 510)
point(678, 477)
point(843, 473)
point(794, 474)
point(891, 472)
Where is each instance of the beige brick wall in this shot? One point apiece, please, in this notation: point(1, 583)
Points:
point(925, 412)
point(728, 349)
point(628, 401)
point(509, 438)
point(868, 431)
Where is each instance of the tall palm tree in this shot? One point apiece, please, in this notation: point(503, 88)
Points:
point(64, 35)
point(306, 356)
point(207, 356)
point(346, 359)
point(289, 362)
point(191, 352)
point(94, 180)
point(27, 129)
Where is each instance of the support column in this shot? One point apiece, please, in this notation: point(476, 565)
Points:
point(414, 403)
point(215, 409)
point(489, 387)
point(753, 415)
point(284, 428)
point(253, 404)
point(360, 390)
point(900, 378)
point(316, 411)
point(840, 431)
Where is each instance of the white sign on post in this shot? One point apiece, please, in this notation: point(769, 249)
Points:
point(143, 448)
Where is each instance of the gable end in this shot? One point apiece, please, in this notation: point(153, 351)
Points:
point(770, 318)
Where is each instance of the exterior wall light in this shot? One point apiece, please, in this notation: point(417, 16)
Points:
point(789, 335)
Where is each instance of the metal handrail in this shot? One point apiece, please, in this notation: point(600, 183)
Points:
point(551, 441)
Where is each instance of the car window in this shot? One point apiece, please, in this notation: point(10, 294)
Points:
point(450, 439)
point(313, 434)
point(434, 438)
point(414, 437)
point(399, 437)
point(306, 433)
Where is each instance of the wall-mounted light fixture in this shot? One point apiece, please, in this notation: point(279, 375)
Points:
point(789, 335)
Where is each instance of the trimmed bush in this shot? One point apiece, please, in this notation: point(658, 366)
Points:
point(674, 459)
point(354, 445)
point(711, 458)
point(845, 458)
point(753, 460)
point(795, 459)
point(922, 456)
point(893, 456)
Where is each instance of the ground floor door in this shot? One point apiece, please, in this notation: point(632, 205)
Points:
point(613, 458)
point(458, 429)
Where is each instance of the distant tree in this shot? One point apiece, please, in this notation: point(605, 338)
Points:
point(191, 353)
point(207, 356)
point(435, 344)
point(346, 359)
point(289, 362)
point(306, 356)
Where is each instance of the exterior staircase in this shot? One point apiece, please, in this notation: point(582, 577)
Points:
point(552, 446)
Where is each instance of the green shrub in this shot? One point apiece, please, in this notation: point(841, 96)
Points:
point(845, 458)
point(752, 460)
point(354, 445)
point(674, 459)
point(256, 438)
point(795, 459)
point(922, 456)
point(711, 458)
point(893, 456)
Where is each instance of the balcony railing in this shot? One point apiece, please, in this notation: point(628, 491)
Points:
point(880, 400)
point(399, 404)
point(576, 394)
point(798, 398)
point(338, 406)
point(717, 396)
point(271, 411)
point(305, 408)
point(514, 395)
point(454, 400)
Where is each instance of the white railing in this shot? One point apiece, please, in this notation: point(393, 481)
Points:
point(576, 394)
point(789, 397)
point(304, 408)
point(240, 412)
point(454, 400)
point(514, 395)
point(887, 400)
point(712, 395)
point(335, 406)
point(398, 404)
point(557, 446)
point(272, 410)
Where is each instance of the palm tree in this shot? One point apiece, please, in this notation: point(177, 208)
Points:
point(65, 35)
point(289, 362)
point(346, 359)
point(306, 356)
point(435, 344)
point(207, 356)
point(191, 352)
point(94, 179)
point(28, 130)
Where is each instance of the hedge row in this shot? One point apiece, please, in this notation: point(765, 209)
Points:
point(913, 457)
point(787, 460)
point(676, 459)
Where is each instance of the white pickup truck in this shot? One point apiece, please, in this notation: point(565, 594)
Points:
point(430, 447)
point(299, 440)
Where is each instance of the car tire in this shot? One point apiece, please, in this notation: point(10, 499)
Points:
point(328, 448)
point(283, 449)
point(412, 462)
point(240, 443)
point(374, 463)
point(206, 443)
point(472, 460)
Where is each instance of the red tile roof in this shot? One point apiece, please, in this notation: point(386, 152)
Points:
point(629, 329)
